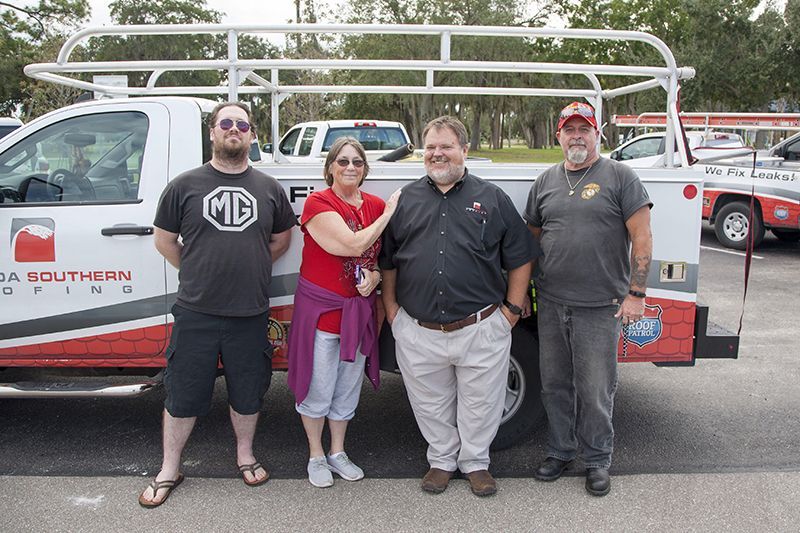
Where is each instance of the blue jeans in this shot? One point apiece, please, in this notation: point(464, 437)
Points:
point(578, 366)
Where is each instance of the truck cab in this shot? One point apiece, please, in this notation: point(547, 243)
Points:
point(79, 191)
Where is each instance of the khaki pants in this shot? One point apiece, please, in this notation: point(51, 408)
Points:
point(456, 384)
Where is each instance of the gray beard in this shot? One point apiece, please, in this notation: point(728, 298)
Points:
point(447, 177)
point(577, 155)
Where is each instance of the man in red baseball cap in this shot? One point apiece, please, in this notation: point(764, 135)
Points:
point(577, 109)
point(592, 217)
point(579, 142)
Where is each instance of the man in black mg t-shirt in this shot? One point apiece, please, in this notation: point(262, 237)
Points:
point(450, 307)
point(234, 222)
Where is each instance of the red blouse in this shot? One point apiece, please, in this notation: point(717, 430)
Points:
point(335, 273)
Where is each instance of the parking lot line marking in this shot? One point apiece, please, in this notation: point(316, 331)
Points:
point(728, 252)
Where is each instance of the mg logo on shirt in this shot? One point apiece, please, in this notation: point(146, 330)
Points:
point(230, 208)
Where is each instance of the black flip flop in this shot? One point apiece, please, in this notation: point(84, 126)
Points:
point(168, 484)
point(252, 469)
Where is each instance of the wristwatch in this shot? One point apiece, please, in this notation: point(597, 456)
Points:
point(638, 294)
point(515, 309)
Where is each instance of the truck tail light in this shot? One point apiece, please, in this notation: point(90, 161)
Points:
point(365, 125)
point(689, 192)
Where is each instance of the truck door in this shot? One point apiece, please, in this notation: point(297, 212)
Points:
point(80, 279)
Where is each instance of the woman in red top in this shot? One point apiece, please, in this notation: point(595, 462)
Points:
point(341, 230)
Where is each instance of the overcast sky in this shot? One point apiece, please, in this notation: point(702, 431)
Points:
point(236, 11)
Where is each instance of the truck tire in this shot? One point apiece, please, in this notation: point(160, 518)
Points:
point(523, 411)
point(786, 235)
point(731, 227)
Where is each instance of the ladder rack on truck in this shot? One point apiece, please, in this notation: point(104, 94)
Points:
point(244, 77)
point(102, 299)
point(731, 121)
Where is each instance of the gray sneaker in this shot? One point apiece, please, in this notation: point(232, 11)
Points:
point(319, 474)
point(342, 465)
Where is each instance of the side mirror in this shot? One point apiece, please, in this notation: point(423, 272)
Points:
point(614, 155)
point(267, 148)
point(255, 154)
point(780, 152)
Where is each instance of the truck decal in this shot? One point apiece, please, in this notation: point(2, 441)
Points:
point(283, 285)
point(648, 329)
point(33, 240)
point(667, 334)
point(747, 189)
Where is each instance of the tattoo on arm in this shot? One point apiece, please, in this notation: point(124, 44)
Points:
point(640, 267)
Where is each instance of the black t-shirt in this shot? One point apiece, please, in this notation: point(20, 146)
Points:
point(450, 248)
point(225, 221)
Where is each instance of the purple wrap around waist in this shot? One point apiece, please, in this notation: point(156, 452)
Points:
point(359, 329)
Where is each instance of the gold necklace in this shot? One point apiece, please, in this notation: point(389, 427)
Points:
point(570, 185)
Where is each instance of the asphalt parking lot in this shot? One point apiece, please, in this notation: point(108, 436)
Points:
point(710, 446)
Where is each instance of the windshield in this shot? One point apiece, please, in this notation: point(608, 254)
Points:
point(372, 138)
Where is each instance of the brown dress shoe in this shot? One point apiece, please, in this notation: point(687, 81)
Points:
point(482, 483)
point(436, 480)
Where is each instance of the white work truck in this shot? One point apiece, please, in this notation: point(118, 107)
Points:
point(83, 291)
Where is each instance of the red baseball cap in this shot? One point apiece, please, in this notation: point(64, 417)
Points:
point(577, 109)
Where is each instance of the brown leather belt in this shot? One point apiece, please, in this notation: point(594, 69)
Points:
point(459, 324)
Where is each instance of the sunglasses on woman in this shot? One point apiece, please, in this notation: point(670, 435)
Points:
point(225, 124)
point(344, 163)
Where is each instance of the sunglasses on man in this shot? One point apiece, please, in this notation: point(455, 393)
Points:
point(582, 109)
point(225, 124)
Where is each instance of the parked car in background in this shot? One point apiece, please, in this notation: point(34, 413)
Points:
point(787, 152)
point(647, 150)
point(7, 125)
point(311, 141)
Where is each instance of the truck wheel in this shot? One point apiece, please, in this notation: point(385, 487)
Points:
point(786, 235)
point(523, 410)
point(731, 227)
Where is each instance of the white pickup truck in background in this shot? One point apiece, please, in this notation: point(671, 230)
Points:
point(8, 124)
point(84, 293)
point(648, 150)
point(311, 141)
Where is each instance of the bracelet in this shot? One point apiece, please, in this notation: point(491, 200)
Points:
point(637, 294)
point(515, 309)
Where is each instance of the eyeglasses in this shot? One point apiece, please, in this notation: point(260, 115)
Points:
point(344, 163)
point(225, 124)
point(581, 109)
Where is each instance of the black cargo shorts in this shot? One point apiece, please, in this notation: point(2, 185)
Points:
point(197, 344)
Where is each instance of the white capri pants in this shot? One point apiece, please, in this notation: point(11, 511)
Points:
point(335, 384)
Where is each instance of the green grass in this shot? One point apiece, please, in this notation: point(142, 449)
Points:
point(522, 154)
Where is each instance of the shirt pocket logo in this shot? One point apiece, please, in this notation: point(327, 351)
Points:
point(590, 190)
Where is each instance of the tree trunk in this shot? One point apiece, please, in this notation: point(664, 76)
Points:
point(475, 130)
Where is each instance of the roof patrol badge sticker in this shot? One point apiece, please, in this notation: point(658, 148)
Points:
point(648, 329)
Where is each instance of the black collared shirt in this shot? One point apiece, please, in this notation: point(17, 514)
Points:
point(450, 248)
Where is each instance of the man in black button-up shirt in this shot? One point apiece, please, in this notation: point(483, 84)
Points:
point(450, 307)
